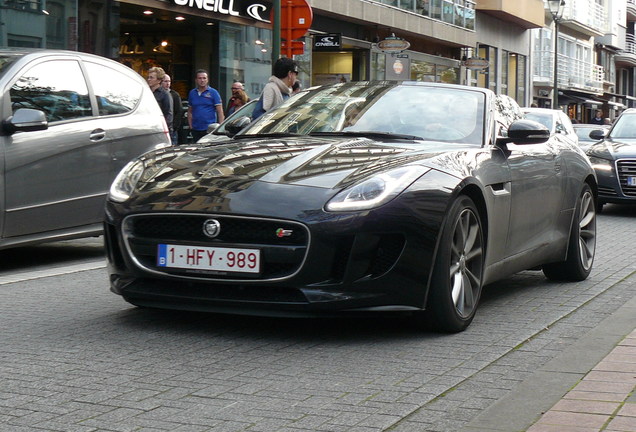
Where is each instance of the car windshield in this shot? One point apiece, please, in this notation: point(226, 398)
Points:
point(380, 109)
point(625, 126)
point(584, 132)
point(546, 120)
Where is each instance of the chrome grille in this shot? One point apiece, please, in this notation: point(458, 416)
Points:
point(281, 256)
point(626, 168)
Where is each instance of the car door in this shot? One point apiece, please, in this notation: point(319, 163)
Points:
point(54, 178)
point(537, 189)
point(128, 113)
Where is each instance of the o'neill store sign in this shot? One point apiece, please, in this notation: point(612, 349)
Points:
point(328, 42)
point(257, 11)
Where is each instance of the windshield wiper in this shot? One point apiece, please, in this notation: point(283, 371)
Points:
point(268, 135)
point(368, 134)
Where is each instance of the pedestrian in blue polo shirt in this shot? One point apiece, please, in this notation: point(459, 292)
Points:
point(205, 106)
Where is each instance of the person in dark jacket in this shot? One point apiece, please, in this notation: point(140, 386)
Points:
point(598, 119)
point(177, 109)
point(155, 76)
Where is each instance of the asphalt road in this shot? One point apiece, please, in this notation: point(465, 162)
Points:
point(76, 357)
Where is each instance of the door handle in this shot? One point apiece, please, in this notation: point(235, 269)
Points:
point(97, 135)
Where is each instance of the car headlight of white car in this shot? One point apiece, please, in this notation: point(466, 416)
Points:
point(377, 190)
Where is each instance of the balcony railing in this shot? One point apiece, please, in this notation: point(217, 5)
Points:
point(628, 55)
point(630, 44)
point(456, 12)
point(588, 13)
point(572, 73)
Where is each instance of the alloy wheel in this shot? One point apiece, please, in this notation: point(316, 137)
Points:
point(466, 263)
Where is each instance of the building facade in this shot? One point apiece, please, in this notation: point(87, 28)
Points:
point(585, 67)
point(486, 43)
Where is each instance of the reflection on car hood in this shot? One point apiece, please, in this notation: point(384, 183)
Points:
point(613, 148)
point(183, 175)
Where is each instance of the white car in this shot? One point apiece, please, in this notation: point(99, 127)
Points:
point(556, 121)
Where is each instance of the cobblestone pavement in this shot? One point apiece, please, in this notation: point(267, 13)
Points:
point(77, 358)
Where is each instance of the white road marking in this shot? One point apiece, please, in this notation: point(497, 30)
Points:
point(37, 274)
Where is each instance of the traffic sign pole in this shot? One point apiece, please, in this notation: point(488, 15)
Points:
point(276, 31)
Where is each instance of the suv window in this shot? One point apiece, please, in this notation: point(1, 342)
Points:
point(56, 87)
point(116, 92)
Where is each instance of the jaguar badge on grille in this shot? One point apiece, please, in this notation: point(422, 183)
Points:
point(211, 228)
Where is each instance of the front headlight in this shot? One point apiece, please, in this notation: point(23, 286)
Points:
point(601, 164)
point(125, 182)
point(376, 191)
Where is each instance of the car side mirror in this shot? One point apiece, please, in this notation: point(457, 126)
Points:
point(212, 127)
point(25, 120)
point(526, 132)
point(236, 125)
point(597, 134)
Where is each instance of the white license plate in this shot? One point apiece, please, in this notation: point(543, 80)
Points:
point(631, 181)
point(209, 258)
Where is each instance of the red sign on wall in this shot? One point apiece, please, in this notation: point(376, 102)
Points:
point(296, 17)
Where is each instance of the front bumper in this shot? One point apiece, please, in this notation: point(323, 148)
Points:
point(355, 265)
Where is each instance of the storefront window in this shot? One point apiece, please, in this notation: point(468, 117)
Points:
point(521, 80)
point(487, 78)
point(245, 55)
point(378, 61)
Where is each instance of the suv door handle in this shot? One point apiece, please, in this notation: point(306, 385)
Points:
point(97, 135)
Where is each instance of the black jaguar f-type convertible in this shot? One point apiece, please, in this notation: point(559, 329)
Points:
point(361, 196)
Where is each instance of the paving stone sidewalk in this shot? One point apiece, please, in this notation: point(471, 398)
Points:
point(604, 400)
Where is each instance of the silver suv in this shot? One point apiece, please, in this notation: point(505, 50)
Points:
point(70, 122)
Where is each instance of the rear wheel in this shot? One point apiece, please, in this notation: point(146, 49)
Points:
point(458, 271)
point(582, 243)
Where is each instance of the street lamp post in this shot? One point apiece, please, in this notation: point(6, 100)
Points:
point(556, 9)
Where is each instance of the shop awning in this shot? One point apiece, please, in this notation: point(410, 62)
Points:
point(617, 105)
point(582, 99)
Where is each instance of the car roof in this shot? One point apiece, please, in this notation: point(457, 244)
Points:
point(31, 53)
point(546, 111)
point(589, 126)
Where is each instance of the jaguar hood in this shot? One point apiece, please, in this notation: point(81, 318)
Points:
point(303, 171)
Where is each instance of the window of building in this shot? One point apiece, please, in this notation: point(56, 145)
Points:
point(456, 12)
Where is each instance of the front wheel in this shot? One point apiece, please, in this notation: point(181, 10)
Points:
point(457, 274)
point(581, 244)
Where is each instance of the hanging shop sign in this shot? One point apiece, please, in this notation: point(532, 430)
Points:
point(476, 63)
point(253, 10)
point(328, 42)
point(393, 45)
point(398, 67)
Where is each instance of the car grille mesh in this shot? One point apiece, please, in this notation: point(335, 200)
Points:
point(281, 255)
point(626, 168)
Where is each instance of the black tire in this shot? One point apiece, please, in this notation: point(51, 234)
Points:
point(581, 244)
point(458, 270)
